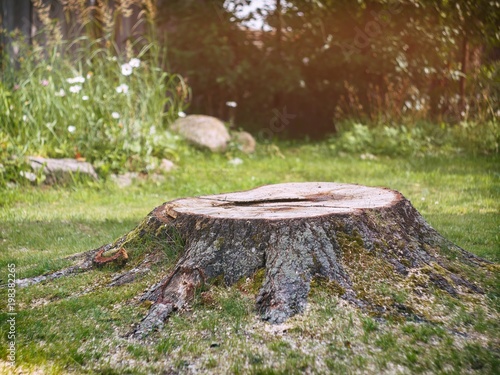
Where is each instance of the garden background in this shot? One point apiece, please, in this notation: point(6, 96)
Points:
point(401, 94)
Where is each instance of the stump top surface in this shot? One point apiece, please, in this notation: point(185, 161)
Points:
point(286, 201)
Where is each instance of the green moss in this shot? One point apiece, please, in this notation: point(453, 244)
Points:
point(217, 281)
point(257, 238)
point(258, 280)
point(349, 241)
point(320, 284)
point(219, 242)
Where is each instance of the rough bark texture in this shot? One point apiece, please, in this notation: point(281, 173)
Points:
point(350, 237)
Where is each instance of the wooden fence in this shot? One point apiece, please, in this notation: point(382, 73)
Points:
point(20, 15)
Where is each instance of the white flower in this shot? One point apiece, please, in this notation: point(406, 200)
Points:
point(25, 118)
point(181, 114)
point(235, 161)
point(85, 97)
point(232, 104)
point(123, 88)
point(71, 128)
point(115, 115)
point(78, 79)
point(126, 69)
point(134, 62)
point(61, 93)
point(75, 89)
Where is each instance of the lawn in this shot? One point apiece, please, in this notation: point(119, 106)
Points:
point(78, 324)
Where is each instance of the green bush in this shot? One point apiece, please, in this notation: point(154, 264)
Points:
point(421, 138)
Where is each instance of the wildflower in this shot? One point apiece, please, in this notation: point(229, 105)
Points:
point(44, 82)
point(75, 89)
point(123, 88)
point(25, 118)
point(115, 115)
point(61, 93)
point(16, 87)
point(89, 75)
point(181, 114)
point(71, 128)
point(235, 161)
point(85, 97)
point(232, 104)
point(78, 79)
point(134, 62)
point(126, 69)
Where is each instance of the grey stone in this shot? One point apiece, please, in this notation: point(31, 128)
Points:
point(203, 131)
point(166, 165)
point(124, 180)
point(56, 169)
point(28, 175)
point(245, 141)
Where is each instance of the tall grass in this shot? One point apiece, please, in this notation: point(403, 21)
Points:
point(86, 97)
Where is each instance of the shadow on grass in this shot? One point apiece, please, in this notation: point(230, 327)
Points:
point(37, 247)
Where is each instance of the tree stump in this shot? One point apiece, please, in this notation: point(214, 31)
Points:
point(348, 237)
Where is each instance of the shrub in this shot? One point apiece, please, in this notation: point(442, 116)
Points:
point(421, 138)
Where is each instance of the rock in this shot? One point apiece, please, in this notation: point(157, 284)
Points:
point(57, 169)
point(28, 175)
point(203, 131)
point(245, 141)
point(124, 180)
point(156, 177)
point(166, 165)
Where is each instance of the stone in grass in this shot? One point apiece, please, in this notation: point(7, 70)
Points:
point(57, 170)
point(203, 131)
point(167, 165)
point(245, 141)
point(124, 180)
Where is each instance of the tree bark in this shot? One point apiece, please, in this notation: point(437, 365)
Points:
point(463, 76)
point(350, 237)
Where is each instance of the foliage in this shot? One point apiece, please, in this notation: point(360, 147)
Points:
point(84, 98)
point(417, 139)
point(373, 61)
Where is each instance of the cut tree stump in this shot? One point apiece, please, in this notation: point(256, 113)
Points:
point(351, 238)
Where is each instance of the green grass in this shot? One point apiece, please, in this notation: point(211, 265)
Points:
point(76, 324)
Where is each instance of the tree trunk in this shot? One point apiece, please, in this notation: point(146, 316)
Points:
point(349, 237)
point(463, 77)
